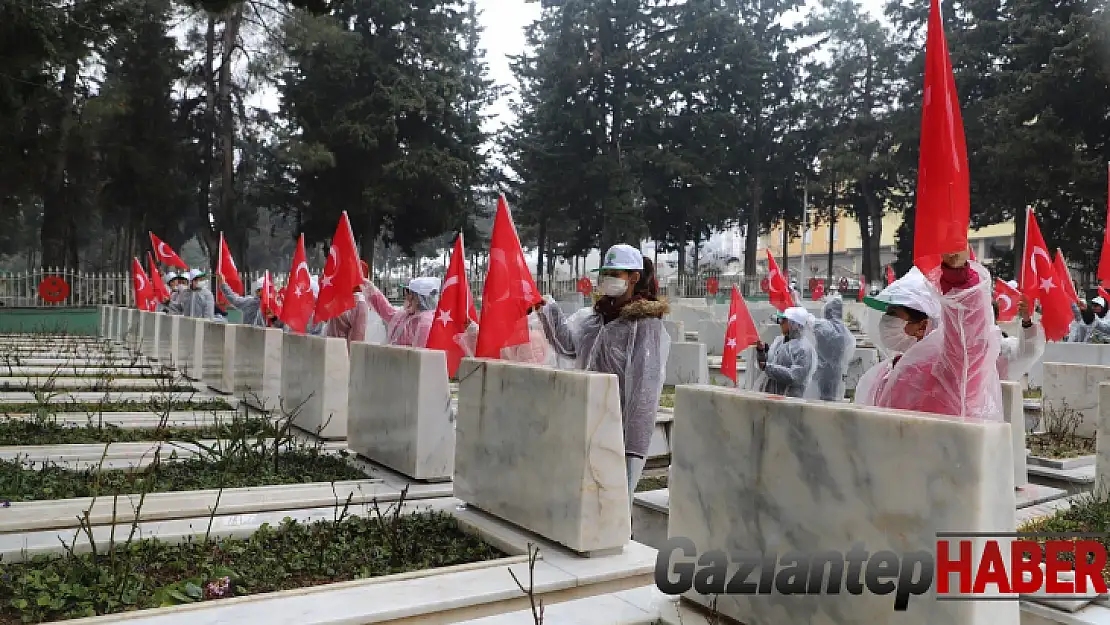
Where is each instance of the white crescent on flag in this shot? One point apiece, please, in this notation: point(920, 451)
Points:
point(333, 262)
point(140, 282)
point(452, 281)
point(1002, 297)
point(1033, 260)
point(302, 266)
point(162, 250)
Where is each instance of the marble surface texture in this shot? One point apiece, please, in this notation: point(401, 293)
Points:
point(256, 374)
point(218, 339)
point(711, 332)
point(120, 332)
point(314, 383)
point(1074, 353)
point(104, 320)
point(752, 472)
point(687, 363)
point(168, 331)
point(1076, 388)
point(863, 359)
point(1013, 412)
point(190, 344)
point(399, 413)
point(1102, 439)
point(152, 323)
point(132, 329)
point(544, 449)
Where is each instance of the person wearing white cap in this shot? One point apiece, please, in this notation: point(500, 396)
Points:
point(249, 305)
point(941, 348)
point(624, 335)
point(789, 363)
point(412, 322)
point(196, 301)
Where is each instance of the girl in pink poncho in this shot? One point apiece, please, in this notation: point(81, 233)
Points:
point(410, 324)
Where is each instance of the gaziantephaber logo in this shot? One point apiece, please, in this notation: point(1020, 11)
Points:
point(1003, 567)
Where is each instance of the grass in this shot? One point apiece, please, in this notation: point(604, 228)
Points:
point(1052, 446)
point(112, 386)
point(1032, 393)
point(46, 432)
point(654, 482)
point(148, 574)
point(23, 481)
point(666, 399)
point(152, 406)
point(1089, 513)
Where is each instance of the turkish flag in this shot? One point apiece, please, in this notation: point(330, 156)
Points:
point(226, 269)
point(890, 278)
point(862, 287)
point(971, 252)
point(1040, 281)
point(509, 291)
point(141, 282)
point(298, 301)
point(1008, 299)
point(159, 290)
point(1103, 294)
point(454, 311)
point(342, 274)
point(777, 288)
point(739, 334)
point(267, 299)
point(943, 185)
point(818, 290)
point(1065, 277)
point(165, 253)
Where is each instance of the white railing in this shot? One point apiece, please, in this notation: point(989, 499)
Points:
point(51, 288)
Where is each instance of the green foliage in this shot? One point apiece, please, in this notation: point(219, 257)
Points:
point(24, 481)
point(149, 574)
point(149, 406)
point(50, 432)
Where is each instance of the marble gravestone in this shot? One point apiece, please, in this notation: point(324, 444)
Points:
point(119, 332)
point(751, 472)
point(252, 366)
point(863, 359)
point(544, 449)
point(168, 331)
point(399, 413)
point(1069, 387)
point(314, 383)
point(687, 363)
point(1013, 412)
point(104, 321)
point(1072, 353)
point(152, 322)
point(219, 352)
point(676, 330)
point(133, 332)
point(1102, 440)
point(711, 333)
point(190, 348)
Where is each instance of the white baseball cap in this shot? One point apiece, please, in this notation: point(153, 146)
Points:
point(194, 274)
point(1099, 301)
point(1013, 284)
point(424, 286)
point(171, 276)
point(798, 315)
point(623, 258)
point(257, 286)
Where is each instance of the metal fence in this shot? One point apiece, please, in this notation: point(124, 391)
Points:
point(52, 288)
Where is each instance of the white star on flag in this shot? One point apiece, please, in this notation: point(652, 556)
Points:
point(325, 281)
point(445, 317)
point(298, 290)
point(731, 343)
point(1047, 285)
point(731, 319)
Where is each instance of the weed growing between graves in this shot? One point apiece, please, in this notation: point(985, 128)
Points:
point(654, 482)
point(154, 405)
point(148, 574)
point(50, 432)
point(1059, 439)
point(1032, 393)
point(1088, 513)
point(666, 398)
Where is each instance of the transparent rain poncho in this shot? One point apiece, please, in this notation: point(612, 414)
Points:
point(1018, 354)
point(790, 364)
point(1080, 329)
point(835, 347)
point(953, 370)
point(537, 351)
point(634, 347)
point(195, 303)
point(249, 305)
point(403, 327)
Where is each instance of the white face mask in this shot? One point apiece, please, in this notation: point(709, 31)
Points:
point(614, 287)
point(892, 335)
point(179, 288)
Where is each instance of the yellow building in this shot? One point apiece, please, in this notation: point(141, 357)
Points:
point(847, 246)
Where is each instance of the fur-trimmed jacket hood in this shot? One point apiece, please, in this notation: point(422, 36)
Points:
point(645, 309)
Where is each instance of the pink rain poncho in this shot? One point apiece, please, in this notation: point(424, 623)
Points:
point(953, 369)
point(537, 351)
point(402, 326)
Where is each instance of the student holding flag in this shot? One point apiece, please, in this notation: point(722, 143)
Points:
point(1018, 354)
point(624, 335)
point(249, 305)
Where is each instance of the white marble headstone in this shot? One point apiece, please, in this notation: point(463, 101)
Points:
point(544, 449)
point(119, 331)
point(1013, 412)
point(711, 332)
point(168, 332)
point(752, 472)
point(254, 369)
point(1102, 440)
point(104, 313)
point(1073, 353)
point(687, 363)
point(314, 383)
point(1074, 387)
point(676, 329)
point(190, 348)
point(399, 413)
point(151, 323)
point(218, 338)
point(863, 359)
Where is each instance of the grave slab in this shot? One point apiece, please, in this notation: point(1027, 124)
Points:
point(863, 359)
point(219, 348)
point(687, 363)
point(1102, 440)
point(314, 383)
point(256, 372)
point(169, 332)
point(676, 330)
point(711, 332)
point(544, 449)
point(650, 517)
point(1073, 387)
point(152, 323)
point(1079, 475)
point(1074, 353)
point(1013, 412)
point(399, 413)
point(785, 475)
point(190, 348)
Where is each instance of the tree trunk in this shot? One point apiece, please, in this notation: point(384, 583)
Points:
point(57, 218)
point(751, 234)
point(205, 234)
point(832, 240)
point(227, 217)
point(1019, 241)
point(541, 236)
